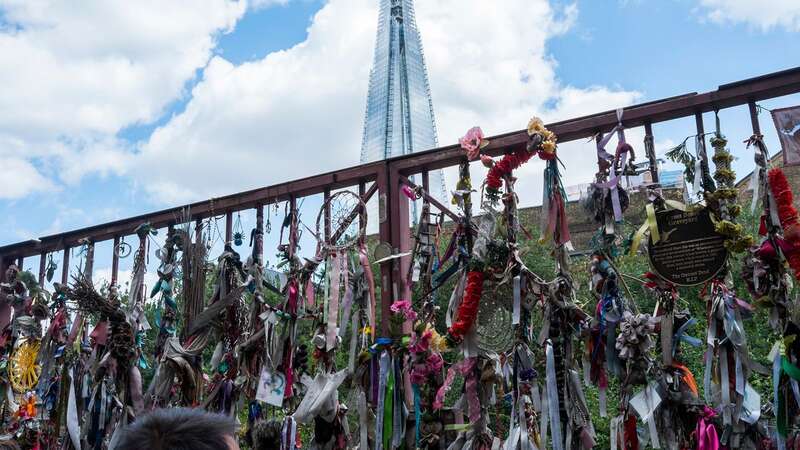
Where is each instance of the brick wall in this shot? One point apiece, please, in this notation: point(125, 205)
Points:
point(792, 174)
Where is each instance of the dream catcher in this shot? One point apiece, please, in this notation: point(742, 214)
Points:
point(123, 249)
point(344, 207)
point(23, 369)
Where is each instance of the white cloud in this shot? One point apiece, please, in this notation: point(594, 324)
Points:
point(299, 112)
point(18, 177)
point(77, 73)
point(84, 73)
point(763, 15)
point(260, 4)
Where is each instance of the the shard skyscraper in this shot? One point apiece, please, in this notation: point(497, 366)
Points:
point(399, 117)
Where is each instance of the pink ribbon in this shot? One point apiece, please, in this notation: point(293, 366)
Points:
point(291, 299)
point(310, 300)
point(467, 369)
point(707, 438)
point(471, 386)
point(100, 333)
point(438, 402)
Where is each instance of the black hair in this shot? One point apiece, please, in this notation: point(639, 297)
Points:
point(178, 429)
point(266, 435)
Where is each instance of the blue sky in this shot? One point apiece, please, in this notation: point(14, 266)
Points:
point(252, 67)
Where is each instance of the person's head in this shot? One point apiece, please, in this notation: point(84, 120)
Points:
point(180, 429)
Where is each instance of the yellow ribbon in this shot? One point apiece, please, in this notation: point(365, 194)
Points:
point(651, 224)
point(458, 427)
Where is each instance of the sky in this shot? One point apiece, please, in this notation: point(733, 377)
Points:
point(111, 108)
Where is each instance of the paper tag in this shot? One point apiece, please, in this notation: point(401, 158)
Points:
point(751, 408)
point(646, 402)
point(271, 387)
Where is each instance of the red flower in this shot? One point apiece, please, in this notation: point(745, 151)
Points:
point(790, 222)
point(468, 310)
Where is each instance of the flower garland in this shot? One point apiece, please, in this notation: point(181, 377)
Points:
point(790, 222)
point(723, 200)
point(468, 310)
point(541, 142)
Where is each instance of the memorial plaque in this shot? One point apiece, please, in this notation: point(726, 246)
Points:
point(689, 252)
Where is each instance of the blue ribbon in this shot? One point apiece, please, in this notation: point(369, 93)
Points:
point(680, 335)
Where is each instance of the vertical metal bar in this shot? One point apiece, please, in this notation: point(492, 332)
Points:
point(3, 267)
point(292, 225)
point(703, 155)
point(400, 236)
point(649, 145)
point(362, 189)
point(198, 231)
point(42, 258)
point(384, 232)
point(426, 185)
point(754, 116)
point(89, 266)
point(327, 214)
point(115, 262)
point(228, 227)
point(258, 237)
point(65, 266)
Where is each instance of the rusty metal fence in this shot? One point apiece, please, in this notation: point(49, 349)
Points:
point(385, 179)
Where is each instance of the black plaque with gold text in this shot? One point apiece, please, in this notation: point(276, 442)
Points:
point(689, 252)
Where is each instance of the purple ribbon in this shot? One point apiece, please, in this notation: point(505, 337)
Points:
point(621, 156)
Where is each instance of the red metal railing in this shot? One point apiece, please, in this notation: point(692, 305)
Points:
point(389, 175)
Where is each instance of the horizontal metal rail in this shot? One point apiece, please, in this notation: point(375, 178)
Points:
point(383, 173)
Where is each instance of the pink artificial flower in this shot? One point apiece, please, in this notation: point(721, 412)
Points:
point(400, 306)
point(421, 343)
point(472, 142)
point(409, 192)
point(487, 161)
point(404, 307)
point(435, 362)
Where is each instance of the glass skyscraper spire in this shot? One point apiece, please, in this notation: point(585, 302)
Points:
point(399, 117)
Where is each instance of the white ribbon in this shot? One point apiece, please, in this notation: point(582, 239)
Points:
point(517, 300)
point(333, 304)
point(72, 414)
point(455, 298)
point(755, 184)
point(725, 386)
point(552, 400)
point(382, 376)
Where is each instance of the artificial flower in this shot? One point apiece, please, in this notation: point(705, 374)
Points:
point(535, 125)
point(403, 307)
point(473, 142)
point(409, 192)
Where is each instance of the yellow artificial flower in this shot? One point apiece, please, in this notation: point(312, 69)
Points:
point(535, 126)
point(438, 343)
point(548, 146)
